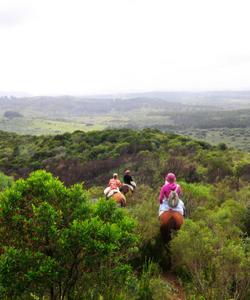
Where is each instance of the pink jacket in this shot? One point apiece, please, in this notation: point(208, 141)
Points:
point(167, 188)
point(114, 183)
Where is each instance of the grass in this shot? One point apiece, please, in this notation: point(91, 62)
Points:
point(233, 137)
point(43, 126)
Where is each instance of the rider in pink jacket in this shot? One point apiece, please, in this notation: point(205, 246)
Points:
point(170, 185)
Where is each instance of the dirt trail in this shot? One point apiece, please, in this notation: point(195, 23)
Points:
point(172, 279)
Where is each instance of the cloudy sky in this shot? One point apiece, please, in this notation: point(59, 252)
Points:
point(117, 46)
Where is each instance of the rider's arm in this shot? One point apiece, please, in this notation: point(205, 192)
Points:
point(161, 197)
point(179, 191)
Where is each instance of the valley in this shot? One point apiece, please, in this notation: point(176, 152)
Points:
point(215, 117)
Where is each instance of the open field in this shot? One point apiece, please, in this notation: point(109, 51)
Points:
point(44, 127)
point(233, 137)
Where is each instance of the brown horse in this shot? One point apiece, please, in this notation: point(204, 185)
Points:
point(169, 221)
point(119, 199)
point(125, 189)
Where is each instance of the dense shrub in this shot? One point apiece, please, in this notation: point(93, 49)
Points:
point(5, 181)
point(55, 243)
point(196, 195)
point(214, 253)
point(149, 152)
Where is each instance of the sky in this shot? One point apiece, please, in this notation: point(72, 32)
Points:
point(79, 47)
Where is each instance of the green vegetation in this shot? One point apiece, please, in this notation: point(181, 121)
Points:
point(43, 126)
point(235, 137)
point(56, 244)
point(214, 253)
point(5, 182)
point(60, 242)
point(92, 156)
point(214, 117)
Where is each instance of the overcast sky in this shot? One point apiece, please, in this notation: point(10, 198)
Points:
point(106, 46)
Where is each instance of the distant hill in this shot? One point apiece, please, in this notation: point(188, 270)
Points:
point(75, 106)
point(214, 116)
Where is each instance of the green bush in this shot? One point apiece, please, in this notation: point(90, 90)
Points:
point(214, 253)
point(5, 181)
point(153, 287)
point(195, 195)
point(55, 243)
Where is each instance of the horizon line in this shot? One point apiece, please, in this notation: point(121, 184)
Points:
point(105, 94)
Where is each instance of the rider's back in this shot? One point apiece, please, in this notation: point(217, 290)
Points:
point(114, 183)
point(127, 179)
point(166, 190)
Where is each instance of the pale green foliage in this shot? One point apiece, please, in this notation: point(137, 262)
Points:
point(5, 181)
point(214, 253)
point(195, 195)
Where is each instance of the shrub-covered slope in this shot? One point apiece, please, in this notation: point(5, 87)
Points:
point(93, 156)
point(59, 242)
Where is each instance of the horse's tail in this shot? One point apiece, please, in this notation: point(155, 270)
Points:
point(120, 199)
point(169, 222)
point(166, 229)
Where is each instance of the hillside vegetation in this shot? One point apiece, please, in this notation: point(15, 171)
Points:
point(93, 156)
point(211, 116)
point(67, 242)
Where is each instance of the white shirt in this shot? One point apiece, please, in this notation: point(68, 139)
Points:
point(165, 207)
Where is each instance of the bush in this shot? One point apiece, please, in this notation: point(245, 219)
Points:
point(152, 286)
point(56, 244)
point(5, 181)
point(213, 253)
point(195, 195)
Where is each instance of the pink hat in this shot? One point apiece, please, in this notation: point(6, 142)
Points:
point(170, 177)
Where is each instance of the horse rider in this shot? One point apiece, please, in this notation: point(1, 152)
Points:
point(128, 180)
point(167, 211)
point(113, 186)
